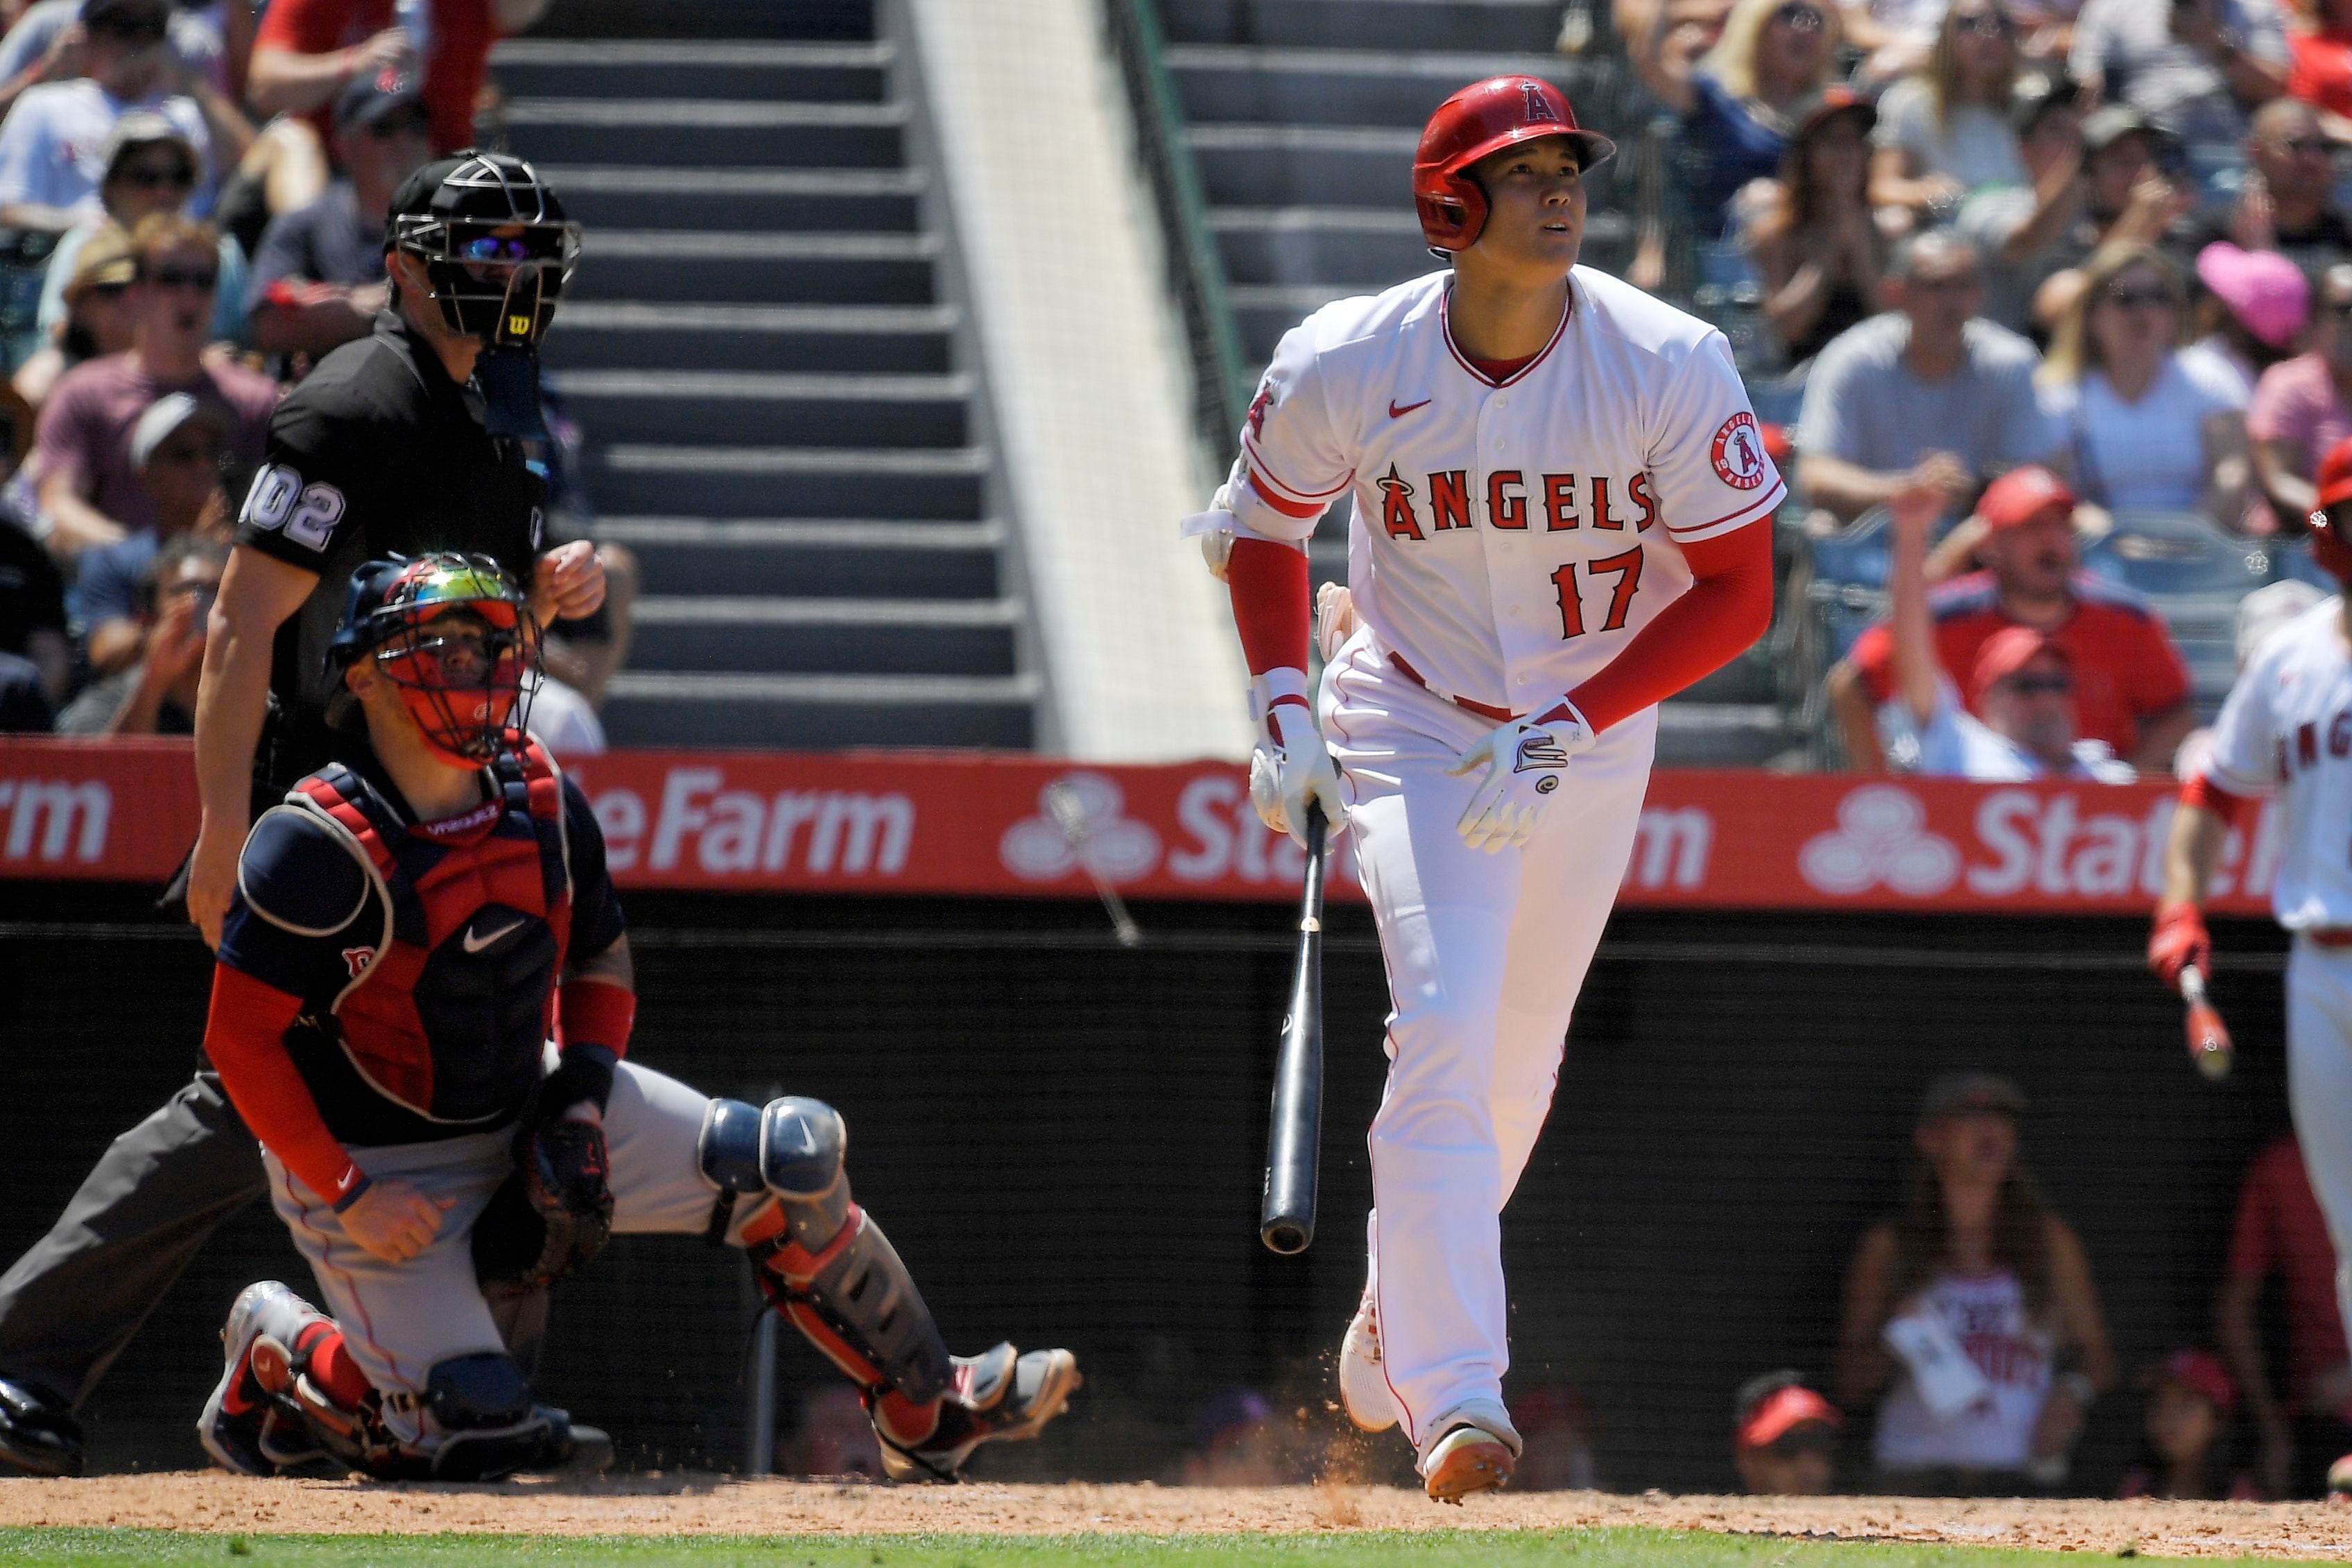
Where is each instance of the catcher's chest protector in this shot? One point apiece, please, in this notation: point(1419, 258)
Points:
point(447, 1017)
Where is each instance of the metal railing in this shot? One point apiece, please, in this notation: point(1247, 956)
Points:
point(1196, 274)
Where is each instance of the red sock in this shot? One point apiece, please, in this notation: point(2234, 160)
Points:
point(331, 1367)
point(905, 1421)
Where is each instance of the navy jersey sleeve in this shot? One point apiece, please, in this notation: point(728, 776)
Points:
point(300, 508)
point(596, 919)
point(305, 915)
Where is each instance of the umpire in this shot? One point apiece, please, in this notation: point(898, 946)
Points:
point(406, 441)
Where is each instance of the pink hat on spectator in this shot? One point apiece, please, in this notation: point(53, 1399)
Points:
point(2004, 654)
point(2267, 293)
point(2023, 495)
point(2201, 1372)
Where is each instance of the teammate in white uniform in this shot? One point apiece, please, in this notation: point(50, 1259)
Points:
point(1562, 516)
point(2287, 727)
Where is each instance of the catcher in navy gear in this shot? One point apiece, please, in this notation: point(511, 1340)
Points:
point(410, 931)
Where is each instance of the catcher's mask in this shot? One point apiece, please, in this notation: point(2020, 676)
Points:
point(495, 245)
point(458, 640)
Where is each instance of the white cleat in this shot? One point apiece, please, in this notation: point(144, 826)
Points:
point(1363, 1382)
point(1476, 1450)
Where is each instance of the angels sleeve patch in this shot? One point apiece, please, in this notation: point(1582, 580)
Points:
point(1739, 454)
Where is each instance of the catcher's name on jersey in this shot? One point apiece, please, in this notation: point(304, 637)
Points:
point(2287, 725)
point(1508, 534)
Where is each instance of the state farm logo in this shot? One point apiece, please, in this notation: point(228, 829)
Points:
point(1882, 837)
point(52, 819)
point(1080, 821)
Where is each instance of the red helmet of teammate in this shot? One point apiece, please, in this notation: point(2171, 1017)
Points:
point(1484, 118)
point(2329, 547)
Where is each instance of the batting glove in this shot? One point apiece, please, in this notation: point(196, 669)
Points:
point(2177, 940)
point(1285, 778)
point(1523, 761)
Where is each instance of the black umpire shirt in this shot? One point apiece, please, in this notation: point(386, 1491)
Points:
point(376, 451)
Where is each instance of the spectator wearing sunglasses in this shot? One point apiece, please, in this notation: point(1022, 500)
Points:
point(53, 143)
point(157, 694)
point(89, 487)
point(2194, 67)
point(2286, 201)
point(150, 168)
point(1740, 103)
point(46, 45)
point(178, 445)
point(1784, 1437)
point(318, 279)
point(1946, 133)
point(98, 320)
point(2302, 407)
point(2022, 683)
point(307, 51)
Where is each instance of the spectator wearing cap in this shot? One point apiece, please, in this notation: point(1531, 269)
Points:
point(98, 315)
point(2145, 428)
point(91, 489)
point(1740, 104)
point(2021, 230)
point(318, 279)
point(1945, 132)
point(2280, 1236)
point(157, 694)
point(2130, 684)
point(54, 141)
point(307, 51)
point(2319, 43)
point(2303, 406)
point(2286, 201)
point(2194, 67)
point(1971, 1317)
point(36, 659)
point(177, 446)
point(2184, 1418)
point(2255, 306)
point(1927, 391)
point(44, 44)
point(150, 168)
point(2126, 197)
point(2024, 685)
point(1784, 1437)
point(1814, 244)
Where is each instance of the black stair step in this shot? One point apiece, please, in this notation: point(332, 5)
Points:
point(839, 21)
point(714, 132)
point(788, 482)
point(814, 556)
point(639, 334)
point(1301, 165)
point(813, 713)
point(737, 408)
point(1511, 26)
point(751, 269)
point(826, 637)
point(1344, 87)
point(819, 200)
point(678, 68)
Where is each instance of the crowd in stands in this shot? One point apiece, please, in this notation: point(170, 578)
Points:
point(2101, 239)
point(192, 206)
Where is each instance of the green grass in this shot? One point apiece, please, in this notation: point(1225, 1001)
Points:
point(1619, 1548)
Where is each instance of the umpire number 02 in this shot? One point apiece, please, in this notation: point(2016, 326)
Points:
point(280, 500)
point(1626, 568)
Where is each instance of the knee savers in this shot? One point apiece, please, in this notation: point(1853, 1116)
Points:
point(481, 1409)
point(824, 1263)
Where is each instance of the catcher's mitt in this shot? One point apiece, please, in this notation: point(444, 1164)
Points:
point(550, 1216)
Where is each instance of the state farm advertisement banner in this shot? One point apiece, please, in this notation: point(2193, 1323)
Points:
point(997, 826)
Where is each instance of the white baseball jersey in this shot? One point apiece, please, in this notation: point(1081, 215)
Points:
point(2287, 725)
point(1508, 536)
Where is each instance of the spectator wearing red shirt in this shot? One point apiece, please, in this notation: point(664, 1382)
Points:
point(2280, 1234)
point(2131, 688)
point(306, 51)
point(2321, 50)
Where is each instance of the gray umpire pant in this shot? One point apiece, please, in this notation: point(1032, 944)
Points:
point(71, 1304)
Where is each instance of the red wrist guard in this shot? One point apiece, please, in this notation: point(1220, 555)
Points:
point(590, 1011)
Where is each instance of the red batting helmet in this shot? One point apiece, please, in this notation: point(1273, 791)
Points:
point(2329, 548)
point(1484, 118)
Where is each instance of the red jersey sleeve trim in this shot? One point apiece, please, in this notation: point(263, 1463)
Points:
point(245, 1038)
point(1729, 520)
point(2201, 791)
point(1274, 492)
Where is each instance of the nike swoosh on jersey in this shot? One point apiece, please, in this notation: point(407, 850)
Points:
point(475, 941)
point(1396, 413)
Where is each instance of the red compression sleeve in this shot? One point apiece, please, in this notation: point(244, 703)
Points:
point(593, 1012)
point(1270, 586)
point(2203, 791)
point(245, 1038)
point(1725, 610)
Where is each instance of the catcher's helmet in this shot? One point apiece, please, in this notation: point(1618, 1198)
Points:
point(495, 243)
point(457, 638)
point(2329, 547)
point(1484, 118)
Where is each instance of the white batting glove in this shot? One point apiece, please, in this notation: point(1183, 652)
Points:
point(1335, 619)
point(1284, 778)
point(1524, 761)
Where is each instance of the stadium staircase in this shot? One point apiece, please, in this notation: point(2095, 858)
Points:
point(1301, 117)
point(762, 348)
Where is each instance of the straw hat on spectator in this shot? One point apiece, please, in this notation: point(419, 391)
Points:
point(104, 261)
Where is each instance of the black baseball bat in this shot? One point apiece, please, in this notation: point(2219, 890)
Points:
point(1293, 1140)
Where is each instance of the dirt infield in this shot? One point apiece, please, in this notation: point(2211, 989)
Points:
point(701, 1504)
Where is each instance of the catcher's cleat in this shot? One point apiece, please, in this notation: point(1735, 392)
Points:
point(2339, 1481)
point(1363, 1381)
point(573, 1448)
point(1476, 1450)
point(244, 1428)
point(999, 1396)
point(37, 1431)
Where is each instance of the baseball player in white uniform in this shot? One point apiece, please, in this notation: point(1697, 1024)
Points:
point(1562, 516)
point(2286, 728)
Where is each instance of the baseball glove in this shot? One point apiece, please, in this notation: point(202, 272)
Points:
point(549, 1218)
